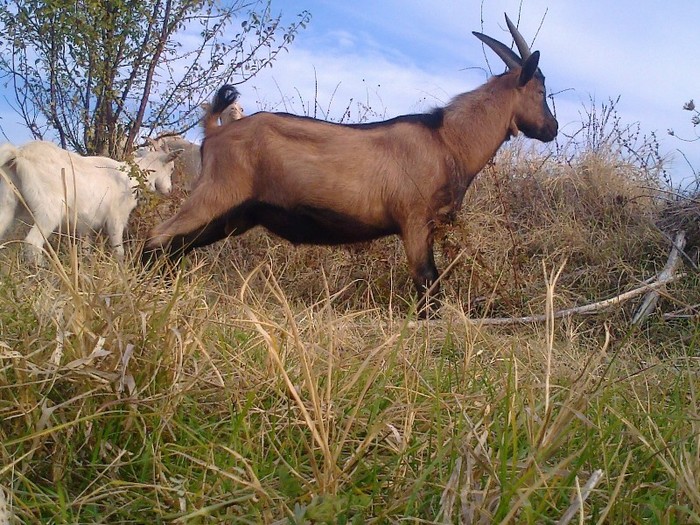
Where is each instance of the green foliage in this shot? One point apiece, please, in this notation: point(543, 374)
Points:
point(95, 73)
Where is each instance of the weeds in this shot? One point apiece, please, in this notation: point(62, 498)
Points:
point(267, 384)
point(130, 399)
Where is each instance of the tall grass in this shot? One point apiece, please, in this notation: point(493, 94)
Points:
point(260, 383)
point(125, 398)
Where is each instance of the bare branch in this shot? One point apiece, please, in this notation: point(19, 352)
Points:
point(650, 300)
point(100, 73)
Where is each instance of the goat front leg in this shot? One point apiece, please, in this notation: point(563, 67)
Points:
point(418, 244)
point(34, 246)
point(115, 229)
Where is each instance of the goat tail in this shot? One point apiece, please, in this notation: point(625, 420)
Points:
point(226, 96)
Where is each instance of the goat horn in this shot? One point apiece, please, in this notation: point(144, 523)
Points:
point(519, 40)
point(506, 54)
point(174, 154)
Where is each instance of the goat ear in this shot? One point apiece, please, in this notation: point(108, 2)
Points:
point(174, 154)
point(529, 68)
point(156, 145)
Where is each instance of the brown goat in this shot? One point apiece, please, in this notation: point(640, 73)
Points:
point(317, 182)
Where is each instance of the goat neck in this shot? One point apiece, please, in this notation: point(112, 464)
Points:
point(477, 123)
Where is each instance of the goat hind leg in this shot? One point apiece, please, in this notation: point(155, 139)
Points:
point(8, 205)
point(418, 245)
point(47, 219)
point(213, 231)
point(186, 231)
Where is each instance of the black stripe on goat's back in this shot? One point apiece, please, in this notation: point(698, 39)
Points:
point(431, 120)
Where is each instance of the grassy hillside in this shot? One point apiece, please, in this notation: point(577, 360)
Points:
point(272, 384)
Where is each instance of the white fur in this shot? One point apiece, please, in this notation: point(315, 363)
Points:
point(232, 112)
point(82, 194)
point(190, 162)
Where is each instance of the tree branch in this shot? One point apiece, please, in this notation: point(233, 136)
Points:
point(650, 300)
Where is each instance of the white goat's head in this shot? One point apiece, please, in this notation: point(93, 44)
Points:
point(158, 166)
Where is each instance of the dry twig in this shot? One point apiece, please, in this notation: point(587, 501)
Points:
point(580, 498)
point(652, 297)
point(580, 310)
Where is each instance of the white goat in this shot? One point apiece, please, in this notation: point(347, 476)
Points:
point(189, 164)
point(60, 188)
point(233, 112)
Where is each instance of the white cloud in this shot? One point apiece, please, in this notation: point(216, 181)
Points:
point(405, 56)
point(336, 78)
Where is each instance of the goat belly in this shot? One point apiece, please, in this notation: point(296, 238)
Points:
point(309, 225)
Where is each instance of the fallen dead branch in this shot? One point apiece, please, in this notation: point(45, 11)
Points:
point(688, 312)
point(651, 288)
point(588, 309)
point(652, 297)
point(581, 496)
point(580, 310)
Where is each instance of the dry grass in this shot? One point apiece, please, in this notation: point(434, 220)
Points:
point(270, 384)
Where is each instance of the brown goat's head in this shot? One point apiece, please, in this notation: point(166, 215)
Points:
point(532, 115)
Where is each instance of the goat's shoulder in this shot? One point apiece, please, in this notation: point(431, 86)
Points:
point(98, 163)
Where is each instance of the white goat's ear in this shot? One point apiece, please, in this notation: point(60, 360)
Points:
point(156, 145)
point(174, 154)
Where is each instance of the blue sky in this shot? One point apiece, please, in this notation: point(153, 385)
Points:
point(404, 56)
point(401, 56)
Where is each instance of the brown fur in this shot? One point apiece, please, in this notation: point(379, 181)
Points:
point(311, 181)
